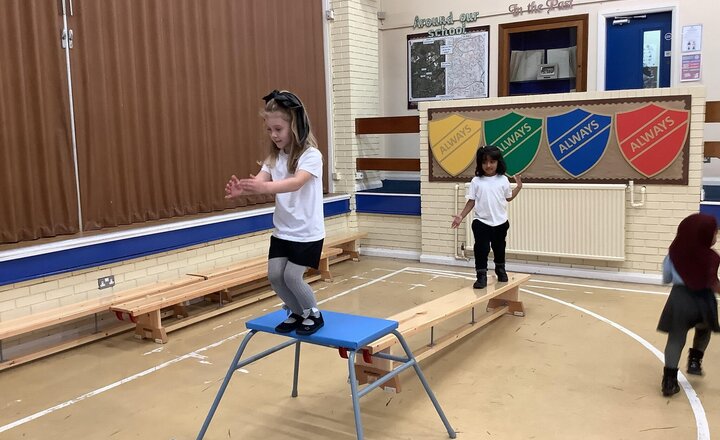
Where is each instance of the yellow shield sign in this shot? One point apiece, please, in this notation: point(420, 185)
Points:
point(454, 141)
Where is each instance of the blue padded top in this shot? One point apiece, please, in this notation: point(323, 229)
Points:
point(340, 329)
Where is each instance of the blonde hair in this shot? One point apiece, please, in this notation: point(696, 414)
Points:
point(296, 147)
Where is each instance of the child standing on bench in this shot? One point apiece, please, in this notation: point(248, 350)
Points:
point(293, 172)
point(692, 267)
point(489, 194)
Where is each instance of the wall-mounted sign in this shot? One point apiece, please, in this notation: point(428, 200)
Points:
point(445, 24)
point(692, 38)
point(691, 67)
point(448, 67)
point(593, 141)
point(536, 7)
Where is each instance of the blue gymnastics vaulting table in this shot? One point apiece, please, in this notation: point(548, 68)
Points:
point(349, 333)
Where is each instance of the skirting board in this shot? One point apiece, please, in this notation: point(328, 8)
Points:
point(625, 277)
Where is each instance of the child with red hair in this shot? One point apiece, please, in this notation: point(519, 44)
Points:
point(692, 267)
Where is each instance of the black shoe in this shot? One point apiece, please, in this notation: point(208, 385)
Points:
point(695, 362)
point(481, 282)
point(305, 330)
point(670, 384)
point(501, 274)
point(287, 327)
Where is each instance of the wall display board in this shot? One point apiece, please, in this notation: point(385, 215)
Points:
point(445, 67)
point(594, 141)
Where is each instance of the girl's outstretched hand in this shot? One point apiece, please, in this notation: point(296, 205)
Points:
point(456, 221)
point(232, 188)
point(518, 180)
point(252, 185)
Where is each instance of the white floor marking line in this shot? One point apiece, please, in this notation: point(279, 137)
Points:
point(369, 283)
point(703, 430)
point(548, 288)
point(192, 355)
point(440, 271)
point(619, 289)
point(701, 423)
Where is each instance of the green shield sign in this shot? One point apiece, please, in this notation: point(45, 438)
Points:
point(518, 137)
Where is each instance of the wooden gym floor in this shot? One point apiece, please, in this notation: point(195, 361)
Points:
point(584, 363)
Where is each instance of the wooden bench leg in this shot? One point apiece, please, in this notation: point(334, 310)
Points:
point(351, 249)
point(367, 373)
point(510, 299)
point(149, 326)
point(324, 269)
point(180, 311)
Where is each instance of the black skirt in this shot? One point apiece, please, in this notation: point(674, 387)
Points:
point(301, 253)
point(687, 308)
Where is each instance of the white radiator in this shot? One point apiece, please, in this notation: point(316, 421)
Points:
point(564, 220)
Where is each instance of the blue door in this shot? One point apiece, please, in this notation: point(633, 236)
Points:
point(638, 51)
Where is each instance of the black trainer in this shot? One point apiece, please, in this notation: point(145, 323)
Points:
point(287, 327)
point(502, 276)
point(317, 323)
point(695, 362)
point(481, 282)
point(670, 384)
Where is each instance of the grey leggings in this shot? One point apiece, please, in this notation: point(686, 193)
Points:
point(286, 279)
point(676, 342)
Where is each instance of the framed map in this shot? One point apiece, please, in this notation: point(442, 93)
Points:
point(448, 67)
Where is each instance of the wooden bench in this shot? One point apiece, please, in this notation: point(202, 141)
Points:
point(502, 299)
point(349, 245)
point(71, 312)
point(147, 314)
point(336, 249)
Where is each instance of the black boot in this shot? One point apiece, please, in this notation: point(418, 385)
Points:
point(481, 282)
point(670, 384)
point(501, 274)
point(695, 362)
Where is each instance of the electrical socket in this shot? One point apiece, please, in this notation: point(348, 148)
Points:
point(359, 175)
point(336, 176)
point(105, 282)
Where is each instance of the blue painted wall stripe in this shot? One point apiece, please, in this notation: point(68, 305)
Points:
point(68, 260)
point(387, 204)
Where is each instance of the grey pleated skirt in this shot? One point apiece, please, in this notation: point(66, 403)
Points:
point(687, 308)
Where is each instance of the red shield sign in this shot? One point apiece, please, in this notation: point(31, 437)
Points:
point(652, 137)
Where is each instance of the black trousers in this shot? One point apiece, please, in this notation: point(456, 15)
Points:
point(487, 237)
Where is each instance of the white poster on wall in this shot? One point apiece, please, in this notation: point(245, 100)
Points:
point(692, 38)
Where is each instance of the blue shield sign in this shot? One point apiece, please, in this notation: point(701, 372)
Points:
point(578, 139)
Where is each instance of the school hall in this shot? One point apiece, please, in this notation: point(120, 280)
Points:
point(128, 281)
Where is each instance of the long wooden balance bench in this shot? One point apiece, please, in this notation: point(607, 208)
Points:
point(502, 299)
point(84, 309)
point(146, 312)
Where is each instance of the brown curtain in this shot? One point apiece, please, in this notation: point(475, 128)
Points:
point(37, 178)
point(167, 95)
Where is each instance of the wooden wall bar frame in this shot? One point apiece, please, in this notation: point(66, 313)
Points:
point(387, 125)
point(711, 149)
point(712, 111)
point(387, 164)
